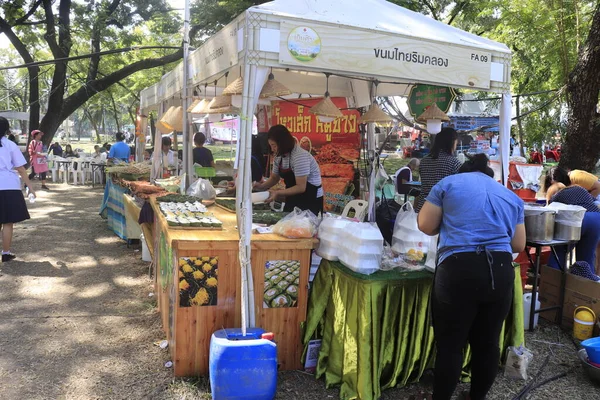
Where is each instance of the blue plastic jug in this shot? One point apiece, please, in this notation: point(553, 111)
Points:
point(242, 367)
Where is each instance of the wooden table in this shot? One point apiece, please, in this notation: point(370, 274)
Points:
point(189, 327)
point(132, 215)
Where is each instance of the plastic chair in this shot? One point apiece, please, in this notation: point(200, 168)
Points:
point(360, 207)
point(77, 170)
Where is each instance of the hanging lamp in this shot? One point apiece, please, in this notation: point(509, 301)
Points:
point(174, 120)
point(273, 88)
point(375, 114)
point(433, 117)
point(325, 110)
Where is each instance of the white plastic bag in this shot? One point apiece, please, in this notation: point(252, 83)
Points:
point(408, 240)
point(567, 214)
point(517, 361)
point(203, 189)
point(431, 261)
point(297, 225)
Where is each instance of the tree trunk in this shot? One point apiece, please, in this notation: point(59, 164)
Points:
point(582, 144)
point(115, 111)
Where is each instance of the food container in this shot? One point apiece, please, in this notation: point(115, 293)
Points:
point(259, 197)
point(568, 221)
point(566, 232)
point(539, 223)
point(592, 371)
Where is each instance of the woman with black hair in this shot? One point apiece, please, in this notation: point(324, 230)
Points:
point(438, 164)
point(480, 224)
point(12, 203)
point(574, 177)
point(299, 170)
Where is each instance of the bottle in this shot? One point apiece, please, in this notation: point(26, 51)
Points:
point(31, 198)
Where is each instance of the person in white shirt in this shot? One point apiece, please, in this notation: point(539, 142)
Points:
point(12, 203)
point(168, 155)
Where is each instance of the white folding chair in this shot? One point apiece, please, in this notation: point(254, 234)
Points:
point(360, 207)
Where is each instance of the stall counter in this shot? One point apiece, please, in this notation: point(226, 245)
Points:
point(198, 288)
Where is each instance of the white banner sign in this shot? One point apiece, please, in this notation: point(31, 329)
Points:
point(380, 54)
point(217, 54)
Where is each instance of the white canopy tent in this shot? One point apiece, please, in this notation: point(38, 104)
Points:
point(370, 47)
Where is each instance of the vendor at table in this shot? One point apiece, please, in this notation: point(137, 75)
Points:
point(574, 177)
point(298, 169)
point(168, 155)
point(585, 250)
point(438, 164)
point(480, 225)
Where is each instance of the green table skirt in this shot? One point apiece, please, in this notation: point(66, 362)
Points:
point(376, 331)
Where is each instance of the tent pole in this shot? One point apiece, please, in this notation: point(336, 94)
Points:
point(372, 157)
point(187, 148)
point(504, 128)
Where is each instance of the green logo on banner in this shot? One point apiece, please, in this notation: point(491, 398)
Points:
point(422, 96)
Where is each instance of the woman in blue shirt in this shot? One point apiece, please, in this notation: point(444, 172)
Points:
point(480, 224)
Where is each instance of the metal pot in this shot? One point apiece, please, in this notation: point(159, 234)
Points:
point(566, 232)
point(539, 226)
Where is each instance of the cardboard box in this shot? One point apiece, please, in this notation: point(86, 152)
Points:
point(578, 292)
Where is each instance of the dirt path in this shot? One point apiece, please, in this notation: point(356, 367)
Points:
point(76, 321)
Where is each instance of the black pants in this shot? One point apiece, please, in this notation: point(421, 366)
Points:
point(466, 308)
point(42, 176)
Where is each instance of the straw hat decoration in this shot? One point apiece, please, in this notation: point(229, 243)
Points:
point(174, 120)
point(235, 88)
point(432, 112)
point(167, 113)
point(201, 107)
point(193, 104)
point(325, 110)
point(433, 117)
point(273, 88)
point(376, 115)
point(220, 102)
point(162, 128)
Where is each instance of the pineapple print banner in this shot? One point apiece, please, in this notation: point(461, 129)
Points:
point(281, 284)
point(198, 279)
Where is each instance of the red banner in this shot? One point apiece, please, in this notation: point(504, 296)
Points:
point(302, 124)
point(335, 145)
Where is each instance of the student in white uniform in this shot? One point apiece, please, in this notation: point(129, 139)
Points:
point(12, 203)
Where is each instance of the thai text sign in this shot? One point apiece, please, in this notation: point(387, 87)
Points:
point(422, 96)
point(216, 55)
point(382, 54)
point(301, 123)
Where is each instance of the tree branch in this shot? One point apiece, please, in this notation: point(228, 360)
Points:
point(99, 24)
point(34, 7)
point(431, 9)
point(458, 7)
point(50, 34)
point(93, 87)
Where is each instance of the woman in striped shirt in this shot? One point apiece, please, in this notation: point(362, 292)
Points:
point(438, 164)
point(298, 169)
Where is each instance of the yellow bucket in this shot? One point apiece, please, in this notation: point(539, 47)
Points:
point(583, 323)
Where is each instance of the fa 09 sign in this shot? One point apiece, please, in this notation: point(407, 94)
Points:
point(480, 57)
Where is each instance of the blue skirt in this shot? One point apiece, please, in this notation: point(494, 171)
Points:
point(12, 207)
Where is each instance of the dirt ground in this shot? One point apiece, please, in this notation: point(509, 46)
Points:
point(77, 322)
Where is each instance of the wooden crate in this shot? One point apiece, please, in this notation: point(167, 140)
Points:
point(189, 329)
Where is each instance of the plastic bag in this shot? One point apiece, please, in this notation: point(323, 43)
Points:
point(297, 225)
point(517, 361)
point(408, 240)
point(567, 214)
point(203, 189)
point(431, 261)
